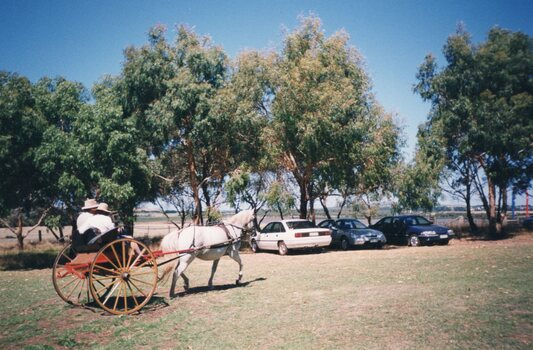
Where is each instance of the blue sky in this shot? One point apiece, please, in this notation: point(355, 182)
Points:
point(83, 40)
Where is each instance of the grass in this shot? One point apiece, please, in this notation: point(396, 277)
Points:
point(471, 294)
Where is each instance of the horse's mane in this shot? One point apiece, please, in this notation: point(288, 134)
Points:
point(241, 218)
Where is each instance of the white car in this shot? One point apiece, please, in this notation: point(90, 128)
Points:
point(290, 234)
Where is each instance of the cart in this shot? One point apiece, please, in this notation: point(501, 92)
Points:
point(117, 273)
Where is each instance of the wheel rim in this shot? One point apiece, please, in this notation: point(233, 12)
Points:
point(414, 241)
point(282, 248)
point(123, 276)
point(70, 284)
point(344, 244)
point(254, 246)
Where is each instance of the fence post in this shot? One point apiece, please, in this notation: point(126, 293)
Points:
point(40, 236)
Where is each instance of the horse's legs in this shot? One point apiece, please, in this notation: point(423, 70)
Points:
point(234, 254)
point(181, 266)
point(213, 270)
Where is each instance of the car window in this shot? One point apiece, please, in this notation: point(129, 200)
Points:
point(422, 221)
point(326, 224)
point(358, 224)
point(410, 221)
point(300, 224)
point(344, 225)
point(385, 221)
point(268, 228)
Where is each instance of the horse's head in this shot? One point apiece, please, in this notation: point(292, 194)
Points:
point(243, 218)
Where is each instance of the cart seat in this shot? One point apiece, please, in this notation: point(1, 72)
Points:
point(92, 240)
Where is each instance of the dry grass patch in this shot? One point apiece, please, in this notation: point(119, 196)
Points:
point(471, 294)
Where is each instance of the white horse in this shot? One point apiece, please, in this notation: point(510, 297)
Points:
point(206, 243)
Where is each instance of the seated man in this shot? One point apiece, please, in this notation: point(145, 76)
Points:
point(88, 211)
point(99, 223)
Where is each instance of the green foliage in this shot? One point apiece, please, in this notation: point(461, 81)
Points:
point(326, 126)
point(21, 129)
point(482, 102)
point(417, 183)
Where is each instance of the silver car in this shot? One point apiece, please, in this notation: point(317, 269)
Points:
point(352, 232)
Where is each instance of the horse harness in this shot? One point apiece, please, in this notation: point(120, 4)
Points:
point(229, 242)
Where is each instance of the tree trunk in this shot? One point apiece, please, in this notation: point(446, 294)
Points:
point(197, 214)
point(343, 204)
point(303, 200)
point(469, 216)
point(20, 236)
point(494, 230)
point(326, 211)
point(280, 211)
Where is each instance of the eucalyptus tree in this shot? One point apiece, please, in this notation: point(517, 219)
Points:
point(323, 112)
point(482, 102)
point(21, 130)
point(61, 161)
point(417, 182)
point(177, 95)
point(89, 149)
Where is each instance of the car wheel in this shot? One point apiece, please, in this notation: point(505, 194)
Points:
point(344, 243)
point(254, 246)
point(414, 241)
point(282, 248)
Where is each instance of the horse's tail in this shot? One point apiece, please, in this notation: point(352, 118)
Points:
point(169, 243)
point(166, 273)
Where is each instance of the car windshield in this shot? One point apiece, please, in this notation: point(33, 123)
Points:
point(419, 220)
point(358, 224)
point(300, 224)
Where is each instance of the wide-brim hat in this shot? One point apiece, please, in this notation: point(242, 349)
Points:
point(90, 204)
point(104, 208)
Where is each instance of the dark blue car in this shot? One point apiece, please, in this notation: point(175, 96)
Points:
point(414, 230)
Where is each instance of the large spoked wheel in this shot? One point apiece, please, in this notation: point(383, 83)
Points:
point(70, 283)
point(123, 276)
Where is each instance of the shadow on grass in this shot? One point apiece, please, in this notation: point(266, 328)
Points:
point(205, 289)
point(27, 260)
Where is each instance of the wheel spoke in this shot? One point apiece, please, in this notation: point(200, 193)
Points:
point(83, 287)
point(111, 292)
point(140, 290)
point(106, 269)
point(141, 281)
point(98, 279)
point(116, 256)
point(129, 259)
point(124, 254)
point(137, 259)
point(133, 294)
point(125, 297)
point(117, 297)
point(67, 257)
point(74, 288)
point(136, 274)
point(105, 287)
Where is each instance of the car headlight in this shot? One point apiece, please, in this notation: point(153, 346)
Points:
point(450, 233)
point(428, 233)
